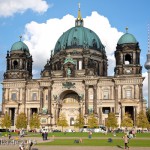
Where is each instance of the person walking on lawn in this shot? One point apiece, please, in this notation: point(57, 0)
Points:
point(126, 141)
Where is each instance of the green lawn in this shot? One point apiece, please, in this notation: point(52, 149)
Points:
point(98, 139)
point(84, 134)
point(79, 134)
point(99, 142)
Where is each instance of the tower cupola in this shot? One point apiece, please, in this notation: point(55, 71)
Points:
point(127, 56)
point(19, 62)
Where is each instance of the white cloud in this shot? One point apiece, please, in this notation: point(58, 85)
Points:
point(10, 7)
point(41, 38)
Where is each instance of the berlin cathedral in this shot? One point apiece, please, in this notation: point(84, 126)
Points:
point(74, 80)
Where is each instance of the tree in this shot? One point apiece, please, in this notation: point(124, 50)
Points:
point(111, 121)
point(148, 114)
point(21, 122)
point(34, 121)
point(6, 121)
point(62, 121)
point(79, 122)
point(127, 121)
point(142, 120)
point(92, 121)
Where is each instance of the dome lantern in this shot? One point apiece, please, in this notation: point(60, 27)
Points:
point(79, 20)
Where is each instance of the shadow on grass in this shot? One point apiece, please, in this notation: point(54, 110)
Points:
point(119, 146)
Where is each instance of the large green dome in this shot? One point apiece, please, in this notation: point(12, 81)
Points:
point(19, 46)
point(127, 38)
point(79, 37)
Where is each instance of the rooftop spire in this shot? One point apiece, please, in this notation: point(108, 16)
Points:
point(20, 37)
point(79, 13)
point(126, 29)
point(79, 20)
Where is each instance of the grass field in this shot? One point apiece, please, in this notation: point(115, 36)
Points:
point(99, 142)
point(98, 139)
point(79, 134)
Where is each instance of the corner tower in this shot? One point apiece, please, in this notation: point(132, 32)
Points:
point(19, 62)
point(127, 56)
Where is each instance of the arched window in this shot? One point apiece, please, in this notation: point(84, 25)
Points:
point(128, 59)
point(106, 94)
point(74, 42)
point(15, 64)
point(71, 121)
point(94, 43)
point(34, 96)
point(14, 96)
point(128, 93)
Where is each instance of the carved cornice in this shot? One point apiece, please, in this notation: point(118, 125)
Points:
point(14, 85)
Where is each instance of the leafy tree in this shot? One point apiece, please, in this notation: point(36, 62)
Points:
point(62, 121)
point(6, 121)
point(127, 121)
point(34, 121)
point(142, 120)
point(92, 121)
point(148, 114)
point(21, 122)
point(79, 122)
point(111, 121)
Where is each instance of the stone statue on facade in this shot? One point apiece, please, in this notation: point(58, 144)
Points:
point(44, 111)
point(68, 72)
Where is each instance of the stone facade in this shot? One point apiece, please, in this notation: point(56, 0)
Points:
point(74, 81)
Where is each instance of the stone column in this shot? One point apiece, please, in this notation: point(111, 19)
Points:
point(122, 112)
point(111, 109)
point(121, 96)
point(116, 98)
point(8, 98)
point(100, 70)
point(24, 94)
point(100, 115)
point(95, 99)
point(141, 96)
point(28, 116)
point(3, 99)
point(86, 99)
point(49, 100)
point(41, 99)
point(134, 91)
point(135, 115)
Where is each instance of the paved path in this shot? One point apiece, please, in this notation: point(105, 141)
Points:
point(39, 147)
point(73, 148)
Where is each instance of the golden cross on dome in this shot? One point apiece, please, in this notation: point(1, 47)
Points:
point(20, 37)
point(126, 29)
point(79, 5)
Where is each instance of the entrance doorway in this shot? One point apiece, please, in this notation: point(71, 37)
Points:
point(70, 107)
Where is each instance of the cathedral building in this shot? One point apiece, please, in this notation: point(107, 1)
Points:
point(74, 80)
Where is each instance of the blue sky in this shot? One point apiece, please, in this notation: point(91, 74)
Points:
point(41, 22)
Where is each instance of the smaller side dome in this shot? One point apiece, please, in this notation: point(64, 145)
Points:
point(127, 38)
point(19, 46)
